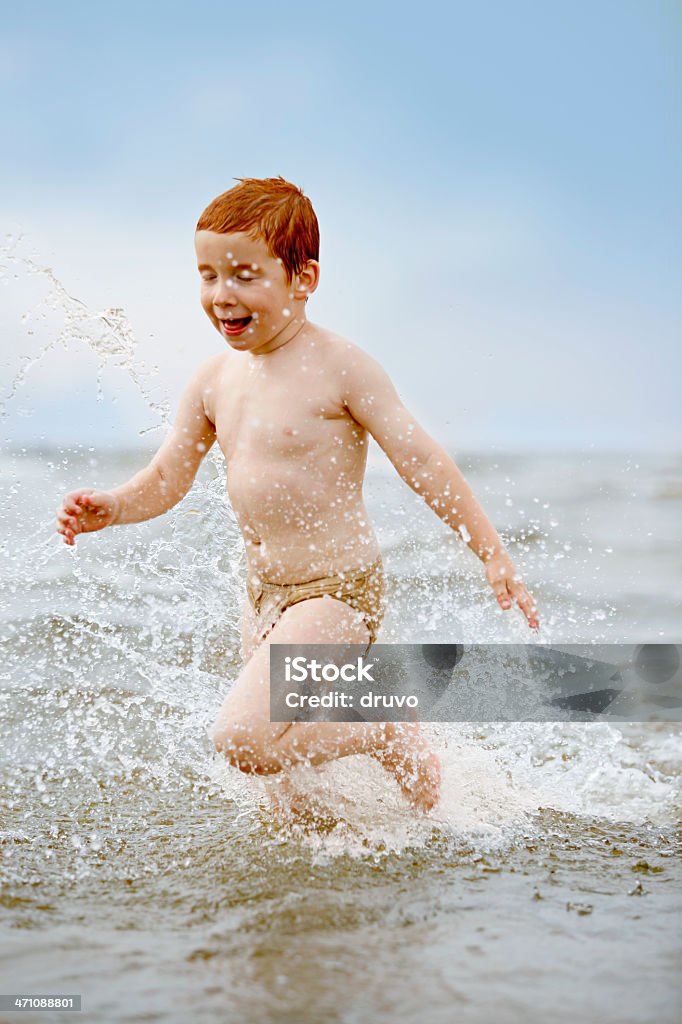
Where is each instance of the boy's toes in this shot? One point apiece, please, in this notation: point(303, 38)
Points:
point(423, 791)
point(420, 780)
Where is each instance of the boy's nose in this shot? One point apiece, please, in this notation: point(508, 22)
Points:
point(224, 295)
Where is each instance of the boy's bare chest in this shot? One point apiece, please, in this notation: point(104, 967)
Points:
point(262, 418)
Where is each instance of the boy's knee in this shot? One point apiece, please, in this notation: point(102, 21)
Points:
point(237, 744)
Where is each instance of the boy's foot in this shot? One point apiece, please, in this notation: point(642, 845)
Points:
point(414, 767)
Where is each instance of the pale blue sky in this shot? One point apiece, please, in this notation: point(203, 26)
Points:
point(504, 175)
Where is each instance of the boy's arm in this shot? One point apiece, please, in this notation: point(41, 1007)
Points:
point(171, 472)
point(372, 400)
point(162, 483)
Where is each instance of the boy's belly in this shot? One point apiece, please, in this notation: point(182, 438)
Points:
point(296, 530)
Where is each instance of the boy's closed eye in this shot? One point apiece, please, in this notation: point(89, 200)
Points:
point(243, 275)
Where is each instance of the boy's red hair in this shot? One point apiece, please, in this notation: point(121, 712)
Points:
point(272, 209)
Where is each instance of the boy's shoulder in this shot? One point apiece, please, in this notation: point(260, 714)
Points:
point(205, 383)
point(358, 378)
point(209, 371)
point(338, 351)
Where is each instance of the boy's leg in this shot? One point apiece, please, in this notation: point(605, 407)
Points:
point(245, 714)
point(244, 733)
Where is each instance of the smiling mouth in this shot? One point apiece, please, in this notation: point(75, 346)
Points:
point(235, 325)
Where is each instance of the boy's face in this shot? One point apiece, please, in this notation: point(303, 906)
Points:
point(245, 292)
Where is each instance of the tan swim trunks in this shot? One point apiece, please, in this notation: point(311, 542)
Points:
point(362, 589)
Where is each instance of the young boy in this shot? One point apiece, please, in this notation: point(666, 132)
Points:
point(292, 406)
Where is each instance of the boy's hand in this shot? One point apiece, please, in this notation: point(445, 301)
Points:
point(84, 511)
point(506, 583)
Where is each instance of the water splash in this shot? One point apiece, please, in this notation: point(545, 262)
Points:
point(118, 654)
point(107, 333)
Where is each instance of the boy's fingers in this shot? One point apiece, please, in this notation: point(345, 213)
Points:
point(508, 588)
point(524, 600)
point(64, 519)
point(528, 607)
point(516, 590)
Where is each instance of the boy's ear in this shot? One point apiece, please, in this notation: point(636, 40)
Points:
point(308, 279)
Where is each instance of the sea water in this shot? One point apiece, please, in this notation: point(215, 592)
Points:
point(141, 871)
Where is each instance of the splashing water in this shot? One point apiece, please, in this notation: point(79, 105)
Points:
point(107, 333)
point(117, 655)
point(176, 586)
